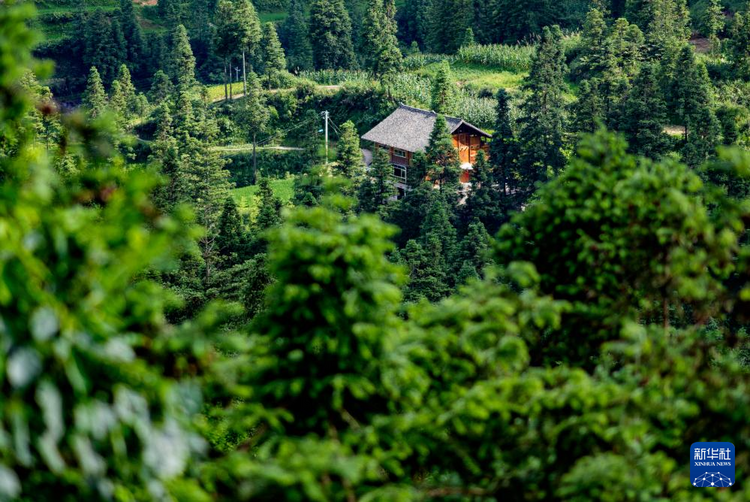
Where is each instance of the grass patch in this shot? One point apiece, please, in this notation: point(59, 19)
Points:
point(247, 197)
point(216, 92)
point(474, 76)
point(272, 17)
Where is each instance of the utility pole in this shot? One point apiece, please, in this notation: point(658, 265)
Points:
point(325, 119)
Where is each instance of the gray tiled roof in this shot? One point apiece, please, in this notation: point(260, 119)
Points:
point(409, 129)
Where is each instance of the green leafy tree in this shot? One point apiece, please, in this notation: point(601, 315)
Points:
point(95, 98)
point(331, 35)
point(543, 113)
point(295, 37)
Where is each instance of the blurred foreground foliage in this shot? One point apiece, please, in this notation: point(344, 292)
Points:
point(610, 336)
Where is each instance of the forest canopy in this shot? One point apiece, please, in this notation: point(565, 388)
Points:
point(213, 288)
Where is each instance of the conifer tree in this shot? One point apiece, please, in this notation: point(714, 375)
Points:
point(443, 161)
point(94, 98)
point(231, 240)
point(128, 91)
point(643, 115)
point(543, 113)
point(588, 110)
point(331, 35)
point(414, 24)
point(171, 11)
point(475, 249)
point(427, 278)
point(504, 149)
point(349, 156)
point(443, 89)
point(273, 57)
point(482, 203)
point(739, 43)
point(437, 227)
point(118, 102)
point(253, 115)
point(448, 21)
point(250, 34)
point(166, 156)
point(515, 20)
point(409, 212)
point(161, 88)
point(269, 214)
point(295, 37)
point(379, 43)
point(713, 23)
point(104, 45)
point(379, 186)
point(228, 38)
point(182, 60)
point(468, 39)
point(131, 30)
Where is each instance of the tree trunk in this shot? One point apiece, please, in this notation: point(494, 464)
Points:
point(244, 75)
point(255, 163)
point(226, 89)
point(231, 82)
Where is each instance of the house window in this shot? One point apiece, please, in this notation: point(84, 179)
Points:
point(399, 153)
point(399, 173)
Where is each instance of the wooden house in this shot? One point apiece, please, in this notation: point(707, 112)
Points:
point(407, 131)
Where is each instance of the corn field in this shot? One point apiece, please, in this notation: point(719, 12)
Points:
point(514, 58)
point(475, 110)
point(336, 77)
point(411, 89)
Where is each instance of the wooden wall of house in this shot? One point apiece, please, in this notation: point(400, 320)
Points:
point(468, 145)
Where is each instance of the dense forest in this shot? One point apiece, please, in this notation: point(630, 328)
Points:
point(212, 288)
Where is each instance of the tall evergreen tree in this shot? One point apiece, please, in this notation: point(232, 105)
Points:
point(295, 37)
point(349, 155)
point(95, 98)
point(269, 214)
point(228, 38)
point(739, 43)
point(127, 88)
point(231, 240)
point(475, 249)
point(414, 23)
point(273, 57)
point(250, 34)
point(379, 185)
point(643, 115)
point(171, 11)
point(331, 35)
point(182, 60)
point(482, 202)
point(131, 30)
point(437, 227)
point(427, 277)
point(543, 113)
point(253, 115)
point(712, 21)
point(516, 20)
point(161, 88)
point(380, 50)
point(443, 162)
point(448, 21)
point(104, 45)
point(504, 151)
point(443, 89)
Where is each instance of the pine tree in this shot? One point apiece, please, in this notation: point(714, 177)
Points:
point(588, 110)
point(504, 150)
point(437, 227)
point(231, 240)
point(448, 21)
point(475, 248)
point(468, 39)
point(131, 30)
point(331, 35)
point(427, 278)
point(643, 115)
point(128, 91)
point(104, 45)
point(171, 11)
point(665, 24)
point(182, 61)
point(409, 212)
point(443, 89)
point(253, 115)
point(543, 113)
point(349, 156)
point(516, 20)
point(414, 22)
point(379, 43)
point(269, 214)
point(482, 203)
point(442, 157)
point(227, 39)
point(379, 185)
point(250, 34)
point(713, 22)
point(274, 60)
point(593, 45)
point(166, 156)
point(295, 37)
point(161, 88)
point(95, 98)
point(739, 43)
point(118, 102)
